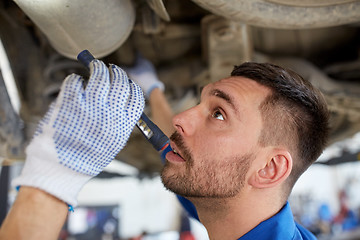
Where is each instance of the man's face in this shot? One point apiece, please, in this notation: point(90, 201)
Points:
point(216, 141)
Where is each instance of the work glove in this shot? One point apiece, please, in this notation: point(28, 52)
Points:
point(82, 131)
point(144, 74)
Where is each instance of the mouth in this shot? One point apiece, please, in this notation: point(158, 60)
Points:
point(174, 155)
point(174, 151)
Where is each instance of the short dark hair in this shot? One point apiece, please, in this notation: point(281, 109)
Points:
point(295, 114)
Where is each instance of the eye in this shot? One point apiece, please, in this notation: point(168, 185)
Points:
point(218, 115)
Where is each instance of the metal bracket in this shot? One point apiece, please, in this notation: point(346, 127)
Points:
point(225, 44)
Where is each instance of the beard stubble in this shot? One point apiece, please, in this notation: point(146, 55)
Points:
point(206, 177)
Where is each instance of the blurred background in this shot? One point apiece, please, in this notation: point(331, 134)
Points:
point(190, 43)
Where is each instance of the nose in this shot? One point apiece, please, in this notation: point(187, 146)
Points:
point(186, 122)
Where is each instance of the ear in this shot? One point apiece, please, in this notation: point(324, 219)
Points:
point(276, 170)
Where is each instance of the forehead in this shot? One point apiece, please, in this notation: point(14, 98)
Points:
point(240, 90)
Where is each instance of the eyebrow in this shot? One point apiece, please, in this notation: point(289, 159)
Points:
point(221, 94)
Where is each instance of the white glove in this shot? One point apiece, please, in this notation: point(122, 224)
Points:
point(144, 74)
point(82, 132)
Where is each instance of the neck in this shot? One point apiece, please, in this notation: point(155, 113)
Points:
point(231, 218)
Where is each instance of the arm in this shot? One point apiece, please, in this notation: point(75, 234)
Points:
point(161, 111)
point(144, 74)
point(34, 215)
point(80, 134)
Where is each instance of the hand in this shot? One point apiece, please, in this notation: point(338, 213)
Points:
point(82, 132)
point(144, 74)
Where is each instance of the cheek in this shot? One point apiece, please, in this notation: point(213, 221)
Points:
point(204, 148)
point(215, 147)
point(219, 144)
point(232, 144)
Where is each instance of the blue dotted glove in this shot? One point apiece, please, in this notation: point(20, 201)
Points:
point(144, 74)
point(82, 132)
